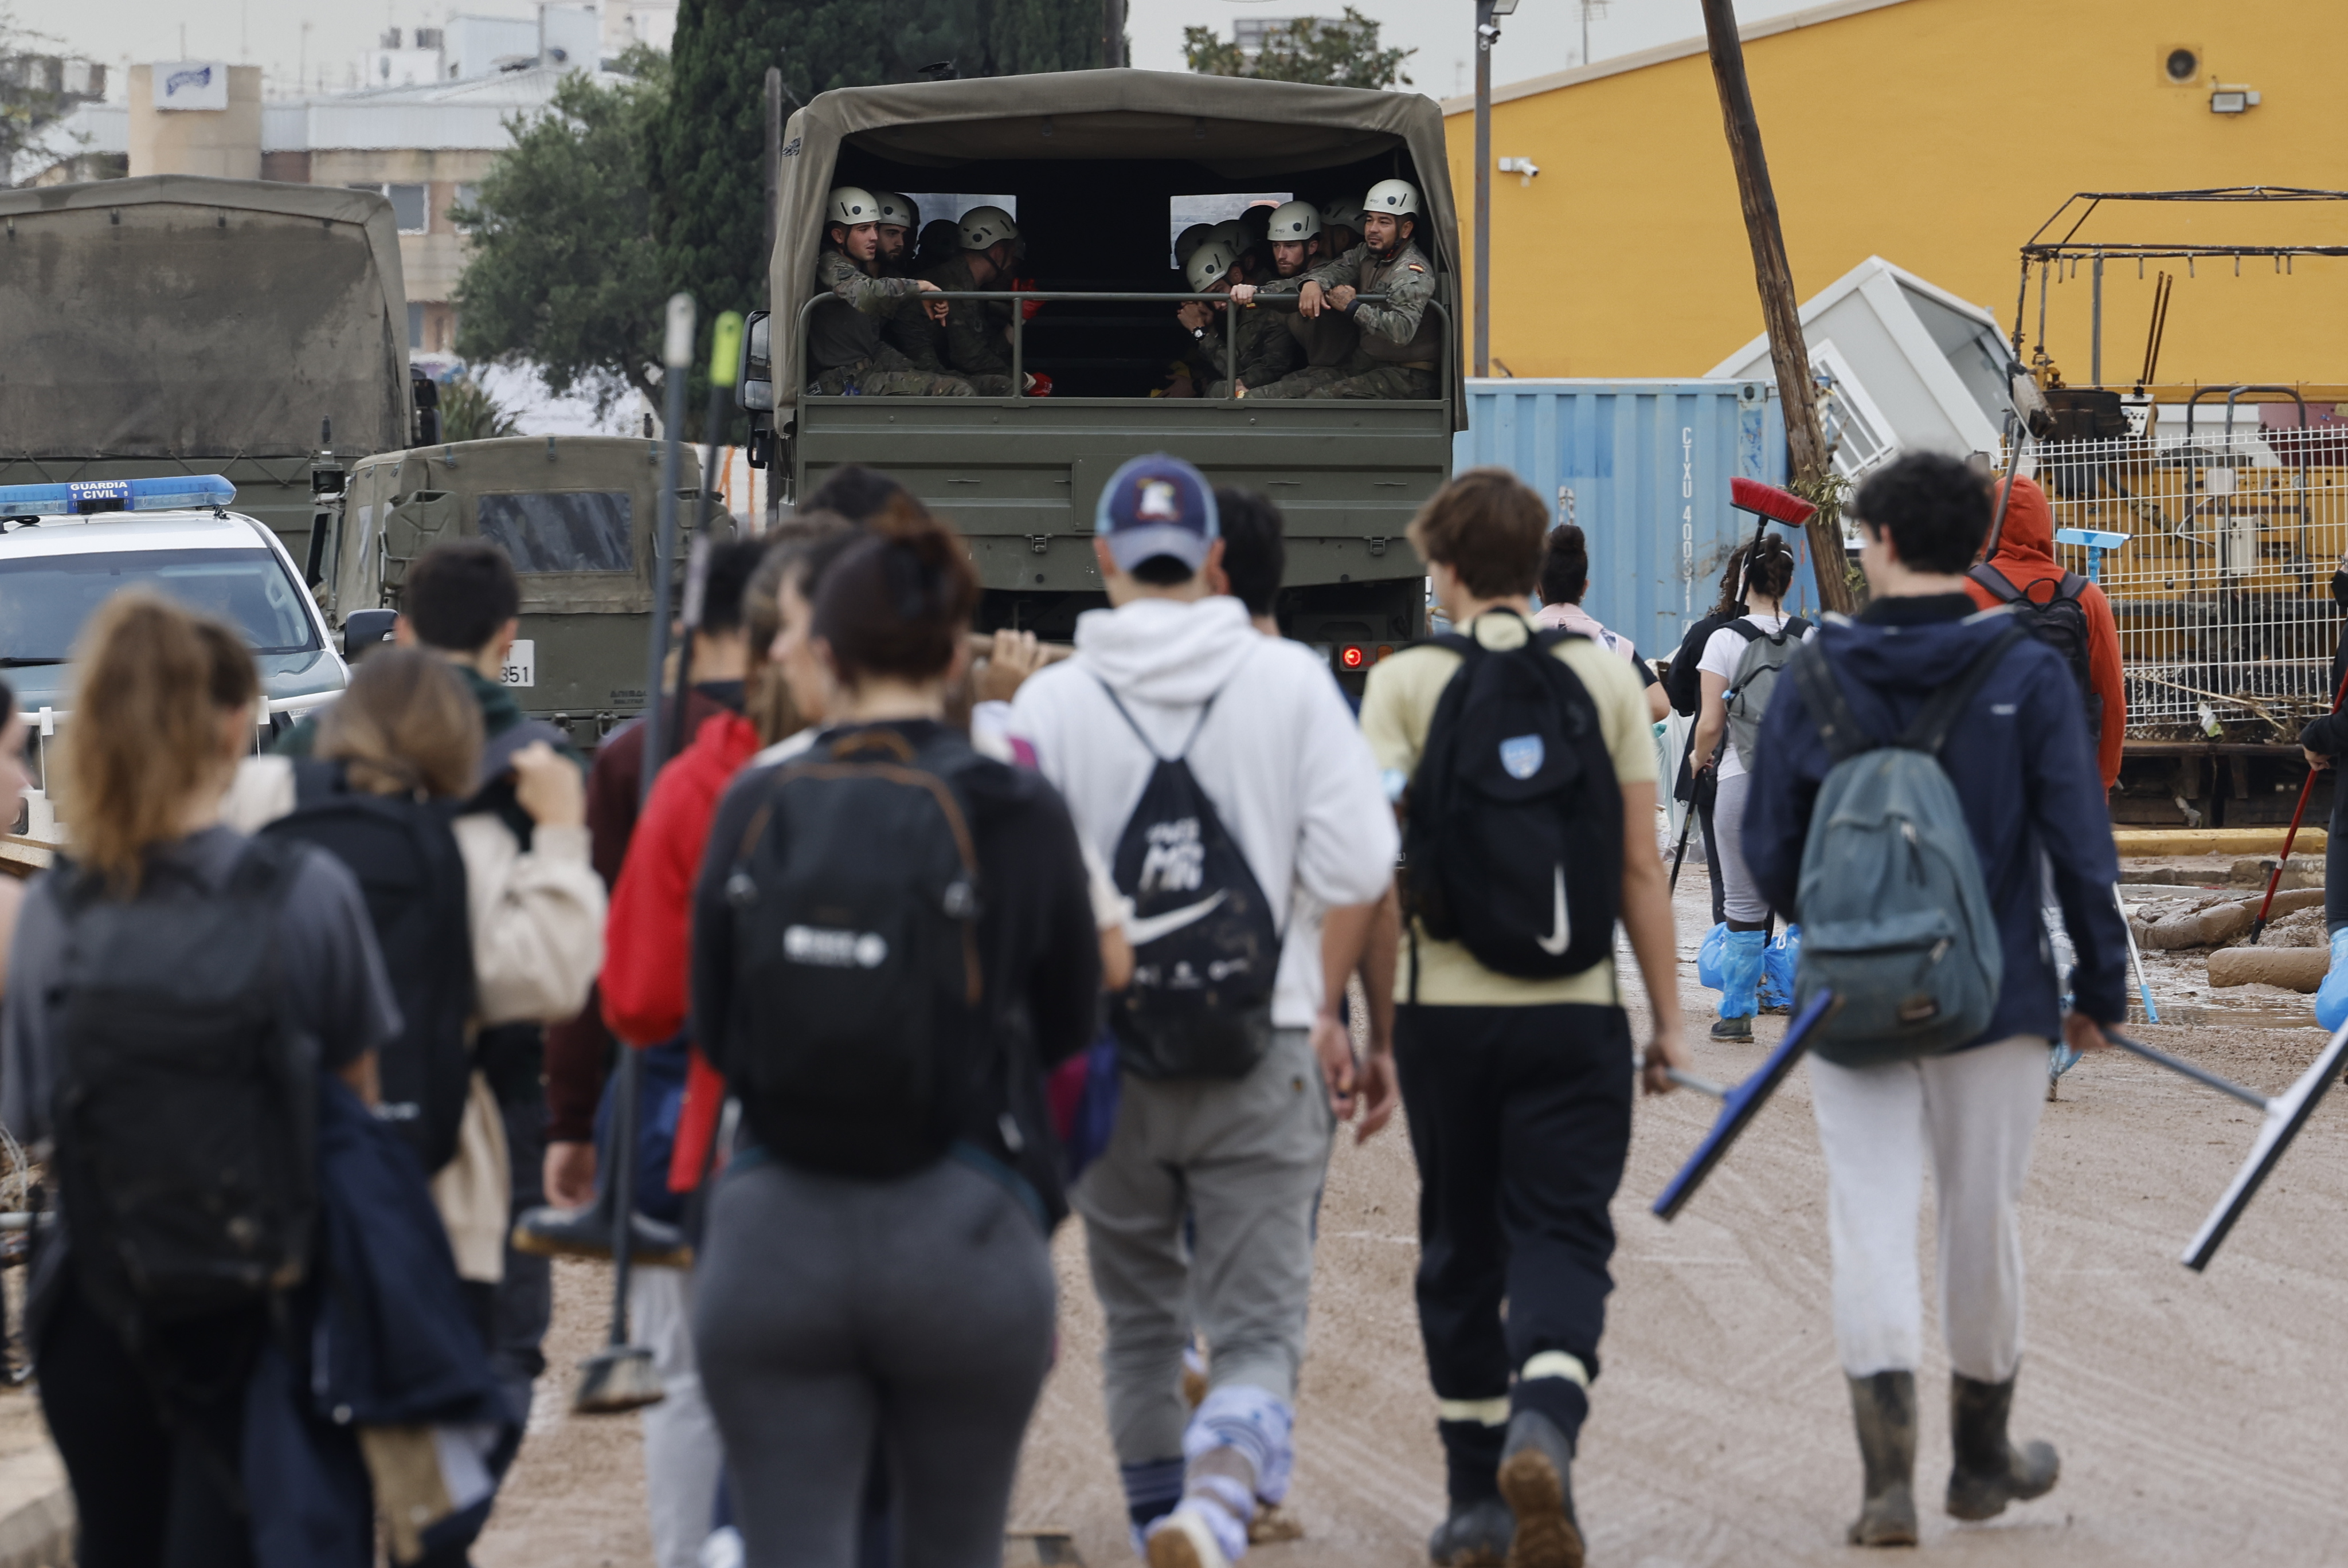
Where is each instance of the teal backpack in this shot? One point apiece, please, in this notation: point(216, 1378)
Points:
point(1896, 921)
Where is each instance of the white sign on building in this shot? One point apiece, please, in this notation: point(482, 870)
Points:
point(191, 85)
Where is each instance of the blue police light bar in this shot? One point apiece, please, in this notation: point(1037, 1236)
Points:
point(81, 498)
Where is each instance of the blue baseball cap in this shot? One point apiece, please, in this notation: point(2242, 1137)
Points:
point(1157, 506)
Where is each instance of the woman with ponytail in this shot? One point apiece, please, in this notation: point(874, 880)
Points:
point(1740, 667)
point(163, 947)
point(892, 941)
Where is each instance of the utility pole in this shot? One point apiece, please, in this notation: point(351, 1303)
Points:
point(1781, 315)
point(1112, 34)
point(1488, 33)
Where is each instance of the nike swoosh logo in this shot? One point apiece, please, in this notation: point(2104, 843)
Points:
point(1562, 932)
point(1144, 930)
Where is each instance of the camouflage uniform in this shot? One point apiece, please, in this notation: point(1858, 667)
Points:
point(1400, 347)
point(844, 341)
point(1266, 351)
point(972, 343)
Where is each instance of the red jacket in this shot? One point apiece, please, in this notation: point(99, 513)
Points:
point(2025, 557)
point(648, 935)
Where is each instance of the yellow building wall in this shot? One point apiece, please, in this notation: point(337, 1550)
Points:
point(1938, 134)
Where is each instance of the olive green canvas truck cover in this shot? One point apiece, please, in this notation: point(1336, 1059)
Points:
point(178, 324)
point(1092, 159)
point(575, 514)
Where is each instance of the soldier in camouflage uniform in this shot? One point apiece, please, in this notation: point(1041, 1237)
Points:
point(974, 344)
point(900, 217)
point(1265, 350)
point(1401, 344)
point(844, 349)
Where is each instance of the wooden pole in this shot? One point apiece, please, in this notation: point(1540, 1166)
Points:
point(774, 164)
point(1780, 308)
point(1112, 34)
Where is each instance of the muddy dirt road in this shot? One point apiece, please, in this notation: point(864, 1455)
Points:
point(2198, 1417)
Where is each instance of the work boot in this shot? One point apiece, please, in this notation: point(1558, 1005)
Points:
point(2331, 996)
point(1477, 1535)
point(1536, 1482)
point(1883, 1409)
point(1740, 978)
point(1990, 1471)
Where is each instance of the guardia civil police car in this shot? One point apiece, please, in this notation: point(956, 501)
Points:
point(65, 548)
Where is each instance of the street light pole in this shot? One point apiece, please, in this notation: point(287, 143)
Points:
point(1488, 33)
point(1484, 34)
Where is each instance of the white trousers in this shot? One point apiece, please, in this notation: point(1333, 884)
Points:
point(1972, 1114)
point(683, 1454)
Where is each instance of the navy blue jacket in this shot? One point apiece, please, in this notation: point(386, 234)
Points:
point(2023, 763)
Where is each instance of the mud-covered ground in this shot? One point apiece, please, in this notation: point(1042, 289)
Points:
point(2199, 1417)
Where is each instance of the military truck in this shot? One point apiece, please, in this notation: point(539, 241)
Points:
point(1092, 162)
point(171, 325)
point(575, 513)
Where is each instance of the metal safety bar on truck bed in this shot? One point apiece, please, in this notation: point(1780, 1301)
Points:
point(1019, 325)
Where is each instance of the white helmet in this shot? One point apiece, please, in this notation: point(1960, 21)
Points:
point(851, 205)
point(1206, 263)
point(1294, 222)
point(1341, 212)
point(1186, 244)
point(983, 228)
point(1393, 196)
point(1231, 232)
point(896, 210)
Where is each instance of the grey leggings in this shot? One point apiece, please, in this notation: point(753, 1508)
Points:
point(1740, 901)
point(826, 1309)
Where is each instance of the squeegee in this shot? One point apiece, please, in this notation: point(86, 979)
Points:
point(1739, 1103)
point(2282, 1116)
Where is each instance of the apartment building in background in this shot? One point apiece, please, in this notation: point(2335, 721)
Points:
point(423, 131)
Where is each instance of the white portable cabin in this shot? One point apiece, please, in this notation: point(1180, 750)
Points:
point(1902, 366)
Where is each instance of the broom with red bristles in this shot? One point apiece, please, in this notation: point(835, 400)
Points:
point(1768, 503)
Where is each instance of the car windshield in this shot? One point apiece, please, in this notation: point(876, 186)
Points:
point(45, 600)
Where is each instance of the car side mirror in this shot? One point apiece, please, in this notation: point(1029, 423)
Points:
point(756, 390)
point(365, 629)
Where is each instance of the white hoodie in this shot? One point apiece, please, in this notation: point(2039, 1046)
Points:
point(1280, 755)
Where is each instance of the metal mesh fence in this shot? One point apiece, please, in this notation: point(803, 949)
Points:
point(2222, 589)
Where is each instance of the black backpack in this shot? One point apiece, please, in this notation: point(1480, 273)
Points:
point(2060, 622)
point(405, 856)
point(855, 1034)
point(1512, 844)
point(1206, 947)
point(1682, 683)
point(186, 1109)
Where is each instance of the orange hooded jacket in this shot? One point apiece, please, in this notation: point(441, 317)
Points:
point(2025, 557)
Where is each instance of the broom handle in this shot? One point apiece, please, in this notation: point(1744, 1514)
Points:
point(2005, 492)
point(2259, 925)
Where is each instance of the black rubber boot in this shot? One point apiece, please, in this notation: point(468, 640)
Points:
point(1537, 1481)
point(1883, 1409)
point(1990, 1471)
point(1477, 1535)
point(1735, 1028)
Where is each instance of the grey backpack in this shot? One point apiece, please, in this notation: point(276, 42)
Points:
point(1766, 653)
point(1895, 919)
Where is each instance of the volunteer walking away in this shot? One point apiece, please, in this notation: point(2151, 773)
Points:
point(1219, 774)
point(892, 941)
point(1741, 667)
point(1522, 762)
point(1854, 825)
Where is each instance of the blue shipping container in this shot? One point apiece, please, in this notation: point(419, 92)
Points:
point(1643, 466)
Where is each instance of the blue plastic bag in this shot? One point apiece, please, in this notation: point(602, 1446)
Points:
point(1707, 958)
point(1777, 961)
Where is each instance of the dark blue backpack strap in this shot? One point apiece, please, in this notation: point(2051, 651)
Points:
point(317, 779)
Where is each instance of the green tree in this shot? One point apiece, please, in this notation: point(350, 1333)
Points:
point(706, 160)
point(563, 270)
point(1340, 54)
